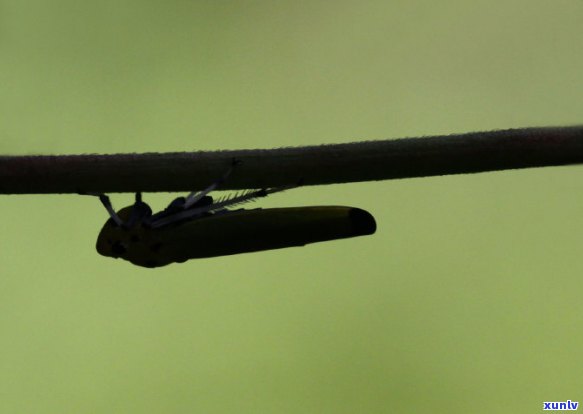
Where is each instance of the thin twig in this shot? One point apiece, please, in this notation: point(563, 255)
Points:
point(324, 164)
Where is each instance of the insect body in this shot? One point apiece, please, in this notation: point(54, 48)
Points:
point(197, 227)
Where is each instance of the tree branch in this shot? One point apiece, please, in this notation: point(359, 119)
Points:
point(323, 164)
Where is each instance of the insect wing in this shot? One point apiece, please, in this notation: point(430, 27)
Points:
point(263, 229)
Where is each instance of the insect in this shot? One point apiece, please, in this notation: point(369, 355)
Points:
point(196, 226)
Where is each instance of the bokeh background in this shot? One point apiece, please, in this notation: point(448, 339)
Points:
point(468, 298)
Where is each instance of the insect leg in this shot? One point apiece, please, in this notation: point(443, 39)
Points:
point(247, 196)
point(240, 198)
point(140, 211)
point(107, 204)
point(194, 197)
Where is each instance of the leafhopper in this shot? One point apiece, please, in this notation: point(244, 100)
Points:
point(197, 226)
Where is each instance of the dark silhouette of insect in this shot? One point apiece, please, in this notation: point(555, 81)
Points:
point(196, 226)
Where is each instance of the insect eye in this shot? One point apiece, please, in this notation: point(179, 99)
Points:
point(118, 248)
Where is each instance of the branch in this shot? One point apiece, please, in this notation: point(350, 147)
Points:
point(323, 164)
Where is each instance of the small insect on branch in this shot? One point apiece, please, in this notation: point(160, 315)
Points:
point(269, 168)
point(206, 228)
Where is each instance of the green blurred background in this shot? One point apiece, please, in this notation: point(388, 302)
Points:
point(466, 300)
